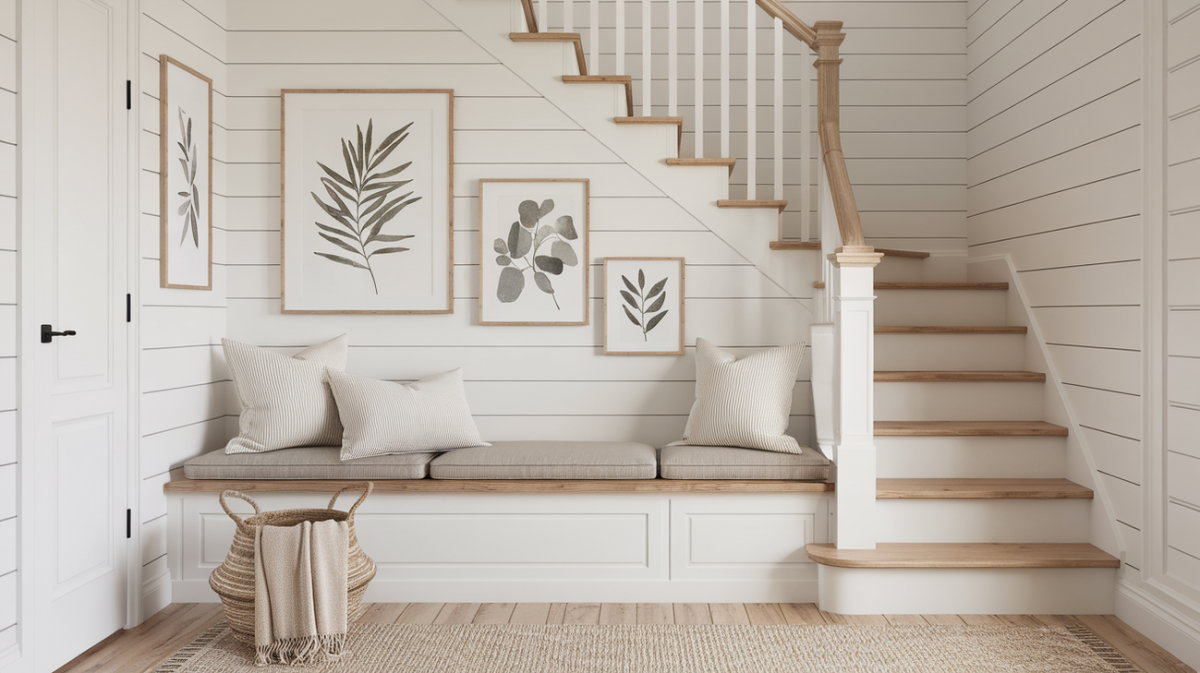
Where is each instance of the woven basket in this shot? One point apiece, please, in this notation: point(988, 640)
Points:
point(233, 580)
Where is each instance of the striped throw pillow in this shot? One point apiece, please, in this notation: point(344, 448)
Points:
point(743, 403)
point(383, 417)
point(285, 400)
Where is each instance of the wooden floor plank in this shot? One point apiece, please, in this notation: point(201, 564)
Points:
point(1019, 620)
point(1136, 647)
point(855, 620)
point(420, 613)
point(382, 613)
point(530, 613)
point(494, 613)
point(558, 611)
point(1057, 620)
point(802, 613)
point(582, 613)
point(765, 614)
point(728, 613)
point(906, 620)
point(144, 647)
point(981, 620)
point(457, 613)
point(618, 613)
point(692, 613)
point(655, 613)
point(947, 620)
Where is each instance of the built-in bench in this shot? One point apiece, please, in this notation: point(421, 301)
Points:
point(450, 530)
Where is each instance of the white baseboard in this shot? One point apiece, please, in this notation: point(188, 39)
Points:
point(1172, 630)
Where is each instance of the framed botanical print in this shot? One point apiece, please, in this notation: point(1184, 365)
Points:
point(185, 177)
point(533, 265)
point(643, 305)
point(368, 201)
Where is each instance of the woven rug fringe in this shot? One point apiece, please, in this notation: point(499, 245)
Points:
point(303, 650)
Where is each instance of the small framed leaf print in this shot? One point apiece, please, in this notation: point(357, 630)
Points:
point(185, 177)
point(534, 263)
point(643, 305)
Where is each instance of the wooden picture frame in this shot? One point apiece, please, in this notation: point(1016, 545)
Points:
point(636, 302)
point(556, 289)
point(367, 201)
point(185, 177)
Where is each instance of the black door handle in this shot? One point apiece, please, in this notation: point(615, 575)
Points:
point(48, 333)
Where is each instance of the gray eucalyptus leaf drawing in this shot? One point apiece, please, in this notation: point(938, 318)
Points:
point(361, 200)
point(644, 303)
point(189, 210)
point(519, 252)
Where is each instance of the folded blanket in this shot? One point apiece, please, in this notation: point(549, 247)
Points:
point(300, 577)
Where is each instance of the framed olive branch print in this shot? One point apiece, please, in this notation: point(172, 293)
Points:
point(533, 266)
point(368, 201)
point(185, 177)
point(643, 305)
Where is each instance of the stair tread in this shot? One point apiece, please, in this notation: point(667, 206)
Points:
point(948, 376)
point(939, 286)
point(965, 555)
point(915, 254)
point(968, 429)
point(951, 329)
point(989, 489)
point(556, 37)
point(795, 245)
point(677, 121)
point(727, 162)
point(626, 80)
point(752, 203)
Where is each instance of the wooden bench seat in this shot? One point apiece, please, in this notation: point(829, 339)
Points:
point(183, 485)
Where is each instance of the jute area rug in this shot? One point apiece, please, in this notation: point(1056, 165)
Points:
point(510, 648)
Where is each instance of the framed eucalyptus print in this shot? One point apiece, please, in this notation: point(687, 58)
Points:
point(643, 305)
point(367, 201)
point(185, 177)
point(534, 263)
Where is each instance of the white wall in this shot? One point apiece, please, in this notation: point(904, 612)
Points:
point(8, 325)
point(188, 405)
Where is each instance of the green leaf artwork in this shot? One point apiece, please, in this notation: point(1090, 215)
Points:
point(646, 305)
point(361, 201)
point(523, 250)
point(189, 210)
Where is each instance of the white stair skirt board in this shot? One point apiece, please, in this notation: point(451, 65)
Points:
point(971, 457)
point(966, 591)
point(949, 352)
point(958, 401)
point(623, 547)
point(1006, 520)
point(940, 307)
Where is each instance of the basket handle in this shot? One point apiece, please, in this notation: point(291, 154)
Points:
point(370, 486)
point(235, 494)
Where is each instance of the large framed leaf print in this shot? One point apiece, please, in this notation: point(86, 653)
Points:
point(534, 264)
point(367, 198)
point(185, 177)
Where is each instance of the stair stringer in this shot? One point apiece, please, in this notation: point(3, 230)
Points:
point(645, 149)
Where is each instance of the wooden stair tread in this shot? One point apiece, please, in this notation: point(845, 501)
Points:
point(752, 203)
point(915, 254)
point(929, 286)
point(626, 80)
point(728, 162)
point(951, 329)
point(556, 37)
point(677, 121)
point(968, 429)
point(976, 489)
point(795, 245)
point(965, 555)
point(950, 376)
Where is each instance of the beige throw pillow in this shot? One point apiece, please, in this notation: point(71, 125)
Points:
point(285, 400)
point(743, 403)
point(383, 417)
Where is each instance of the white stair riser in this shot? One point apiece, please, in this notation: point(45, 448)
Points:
point(940, 307)
point(958, 401)
point(971, 457)
point(966, 591)
point(900, 269)
point(949, 352)
point(982, 520)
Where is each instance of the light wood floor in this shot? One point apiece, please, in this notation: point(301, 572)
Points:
point(141, 649)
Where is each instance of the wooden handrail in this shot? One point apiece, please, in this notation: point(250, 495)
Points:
point(792, 23)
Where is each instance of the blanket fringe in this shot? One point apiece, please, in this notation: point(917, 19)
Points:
point(303, 650)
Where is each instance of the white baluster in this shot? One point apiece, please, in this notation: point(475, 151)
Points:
point(568, 16)
point(752, 100)
point(594, 37)
point(646, 81)
point(620, 30)
point(672, 59)
point(542, 21)
point(806, 141)
point(698, 55)
point(725, 78)
point(778, 154)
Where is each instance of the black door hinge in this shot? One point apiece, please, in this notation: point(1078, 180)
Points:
point(128, 94)
point(128, 524)
point(128, 307)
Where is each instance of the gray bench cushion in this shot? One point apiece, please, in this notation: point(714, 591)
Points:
point(309, 462)
point(548, 460)
point(723, 462)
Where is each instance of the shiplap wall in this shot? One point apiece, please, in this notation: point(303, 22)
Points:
point(8, 325)
point(903, 105)
point(1182, 532)
point(1053, 116)
point(522, 382)
point(188, 405)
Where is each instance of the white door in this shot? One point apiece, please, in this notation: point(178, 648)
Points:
point(80, 185)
